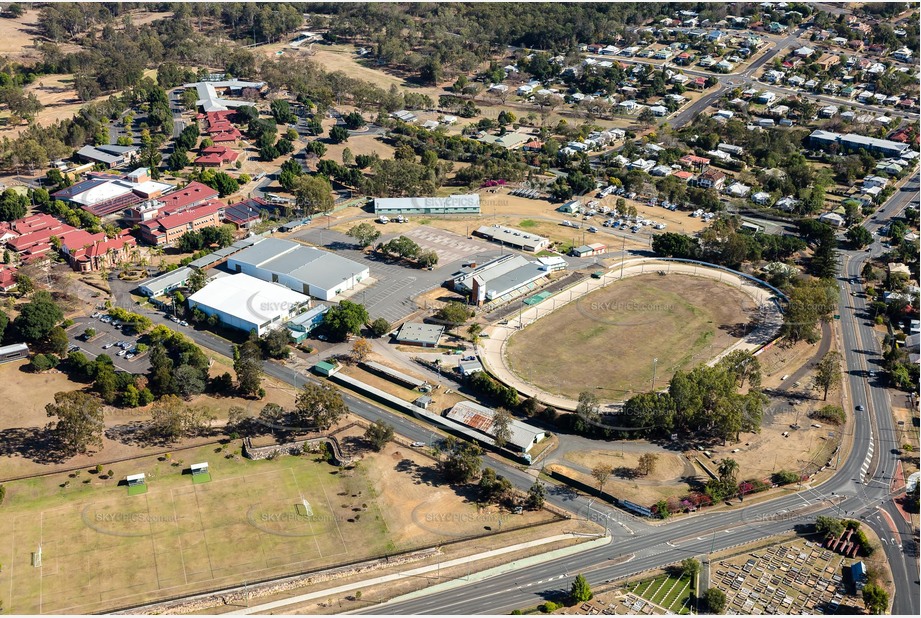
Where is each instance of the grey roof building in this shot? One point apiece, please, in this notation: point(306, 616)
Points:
point(166, 283)
point(451, 205)
point(304, 269)
point(415, 333)
point(512, 237)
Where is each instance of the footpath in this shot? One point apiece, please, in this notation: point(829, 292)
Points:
point(455, 583)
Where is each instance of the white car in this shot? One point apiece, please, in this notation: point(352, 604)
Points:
point(121, 353)
point(417, 444)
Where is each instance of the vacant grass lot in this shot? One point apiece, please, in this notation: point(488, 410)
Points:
point(102, 548)
point(607, 340)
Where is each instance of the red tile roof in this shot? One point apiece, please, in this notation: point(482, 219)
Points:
point(191, 195)
point(216, 155)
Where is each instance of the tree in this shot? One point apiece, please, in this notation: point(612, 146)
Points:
point(171, 419)
point(580, 592)
point(454, 313)
point(474, 331)
point(361, 349)
point(24, 284)
point(58, 341)
point(379, 327)
point(344, 319)
point(37, 318)
point(744, 366)
point(727, 470)
point(197, 279)
point(379, 433)
point(188, 381)
point(80, 421)
point(536, 496)
point(859, 236)
point(502, 427)
point(365, 234)
point(463, 461)
point(338, 134)
point(224, 184)
point(4, 321)
point(353, 120)
point(875, 598)
point(587, 407)
point(601, 473)
point(829, 526)
point(177, 160)
point(828, 374)
point(646, 464)
point(319, 405)
point(13, 205)
point(493, 487)
point(690, 567)
point(275, 343)
point(715, 600)
point(247, 364)
point(313, 194)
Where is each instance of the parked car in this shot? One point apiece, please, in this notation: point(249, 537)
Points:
point(417, 444)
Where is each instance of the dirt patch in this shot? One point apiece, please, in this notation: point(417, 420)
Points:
point(668, 467)
point(611, 329)
point(638, 491)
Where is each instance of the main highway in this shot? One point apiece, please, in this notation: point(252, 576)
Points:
point(859, 489)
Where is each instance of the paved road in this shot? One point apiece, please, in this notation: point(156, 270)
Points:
point(645, 545)
point(848, 491)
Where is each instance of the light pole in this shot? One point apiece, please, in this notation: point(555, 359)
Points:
point(655, 363)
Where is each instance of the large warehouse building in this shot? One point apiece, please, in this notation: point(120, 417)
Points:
point(307, 270)
point(247, 303)
point(451, 205)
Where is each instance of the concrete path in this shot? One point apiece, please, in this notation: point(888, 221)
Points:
point(331, 592)
point(491, 349)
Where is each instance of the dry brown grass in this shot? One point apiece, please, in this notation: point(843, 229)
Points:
point(607, 340)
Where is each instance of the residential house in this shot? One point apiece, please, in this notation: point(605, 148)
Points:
point(737, 189)
point(711, 179)
point(832, 218)
point(765, 98)
point(787, 204)
point(694, 162)
point(903, 54)
point(827, 61)
point(762, 198)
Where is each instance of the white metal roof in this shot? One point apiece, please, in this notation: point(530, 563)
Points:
point(249, 299)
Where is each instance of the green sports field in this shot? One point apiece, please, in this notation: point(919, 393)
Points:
point(102, 548)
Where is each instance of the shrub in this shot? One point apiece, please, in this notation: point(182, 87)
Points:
point(785, 477)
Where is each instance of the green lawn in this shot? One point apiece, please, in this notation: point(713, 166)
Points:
point(102, 547)
point(671, 593)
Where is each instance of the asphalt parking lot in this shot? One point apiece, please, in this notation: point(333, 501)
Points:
point(107, 334)
point(397, 284)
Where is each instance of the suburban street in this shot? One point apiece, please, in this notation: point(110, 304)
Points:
point(860, 487)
